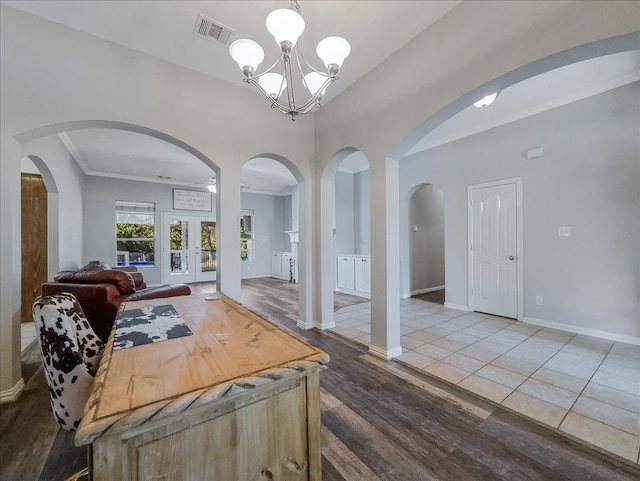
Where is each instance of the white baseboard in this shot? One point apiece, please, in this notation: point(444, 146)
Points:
point(459, 307)
point(11, 395)
point(428, 289)
point(304, 326)
point(611, 336)
point(326, 325)
point(384, 354)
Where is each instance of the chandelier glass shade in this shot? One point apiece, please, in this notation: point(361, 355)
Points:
point(286, 26)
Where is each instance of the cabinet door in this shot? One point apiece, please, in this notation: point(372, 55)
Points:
point(276, 264)
point(346, 273)
point(286, 258)
point(363, 275)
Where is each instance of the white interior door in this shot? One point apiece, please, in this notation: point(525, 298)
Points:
point(494, 249)
point(189, 253)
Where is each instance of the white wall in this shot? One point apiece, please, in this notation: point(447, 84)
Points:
point(588, 179)
point(426, 244)
point(69, 185)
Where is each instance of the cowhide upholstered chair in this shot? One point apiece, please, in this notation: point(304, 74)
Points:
point(71, 352)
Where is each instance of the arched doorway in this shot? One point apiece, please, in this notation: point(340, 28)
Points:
point(425, 244)
point(273, 201)
point(345, 214)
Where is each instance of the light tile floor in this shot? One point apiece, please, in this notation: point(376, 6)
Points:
point(586, 387)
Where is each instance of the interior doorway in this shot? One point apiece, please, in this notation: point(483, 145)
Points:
point(495, 235)
point(426, 244)
point(34, 240)
point(189, 249)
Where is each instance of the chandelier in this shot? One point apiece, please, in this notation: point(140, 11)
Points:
point(286, 25)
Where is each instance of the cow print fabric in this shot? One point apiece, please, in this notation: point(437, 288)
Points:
point(71, 353)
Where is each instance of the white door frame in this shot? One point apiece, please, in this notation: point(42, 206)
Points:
point(519, 241)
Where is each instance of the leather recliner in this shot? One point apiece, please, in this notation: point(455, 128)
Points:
point(101, 292)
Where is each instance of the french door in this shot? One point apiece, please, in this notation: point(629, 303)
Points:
point(189, 249)
point(495, 276)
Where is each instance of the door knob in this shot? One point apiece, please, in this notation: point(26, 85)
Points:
point(511, 258)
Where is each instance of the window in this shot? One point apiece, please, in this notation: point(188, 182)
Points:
point(135, 233)
point(246, 235)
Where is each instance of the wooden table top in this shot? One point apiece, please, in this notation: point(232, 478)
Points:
point(229, 341)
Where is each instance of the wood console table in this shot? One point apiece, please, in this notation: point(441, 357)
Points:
point(236, 401)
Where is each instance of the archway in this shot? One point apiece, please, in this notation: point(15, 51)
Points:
point(525, 159)
point(37, 144)
point(423, 239)
point(352, 236)
point(275, 196)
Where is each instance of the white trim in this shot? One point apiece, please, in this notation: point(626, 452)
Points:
point(323, 326)
point(11, 395)
point(519, 241)
point(459, 307)
point(384, 354)
point(71, 147)
point(428, 289)
point(303, 325)
point(585, 331)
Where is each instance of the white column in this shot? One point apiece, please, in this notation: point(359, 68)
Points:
point(385, 259)
point(304, 260)
point(11, 382)
point(327, 260)
point(228, 232)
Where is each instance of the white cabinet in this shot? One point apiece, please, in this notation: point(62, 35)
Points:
point(276, 264)
point(280, 264)
point(363, 274)
point(285, 264)
point(353, 275)
point(346, 277)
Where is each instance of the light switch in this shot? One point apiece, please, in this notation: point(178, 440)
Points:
point(415, 228)
point(564, 231)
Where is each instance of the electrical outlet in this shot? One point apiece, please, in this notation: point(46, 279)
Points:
point(564, 231)
point(539, 300)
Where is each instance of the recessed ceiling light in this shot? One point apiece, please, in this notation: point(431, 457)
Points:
point(485, 101)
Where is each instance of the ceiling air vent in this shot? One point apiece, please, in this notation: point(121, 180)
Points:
point(207, 28)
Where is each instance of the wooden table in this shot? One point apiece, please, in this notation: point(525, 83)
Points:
point(236, 401)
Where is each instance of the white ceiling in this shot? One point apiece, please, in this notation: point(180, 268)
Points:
point(375, 30)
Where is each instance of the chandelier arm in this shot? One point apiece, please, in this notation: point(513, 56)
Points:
point(258, 75)
point(315, 100)
point(300, 54)
point(274, 103)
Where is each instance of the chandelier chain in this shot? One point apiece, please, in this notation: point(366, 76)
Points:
point(295, 6)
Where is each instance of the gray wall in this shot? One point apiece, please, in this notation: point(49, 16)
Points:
point(353, 219)
point(426, 245)
point(362, 214)
point(345, 214)
point(100, 196)
point(270, 217)
point(588, 179)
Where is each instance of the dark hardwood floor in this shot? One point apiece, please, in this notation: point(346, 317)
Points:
point(380, 421)
point(433, 296)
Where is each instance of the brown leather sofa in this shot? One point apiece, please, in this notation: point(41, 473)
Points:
point(101, 290)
